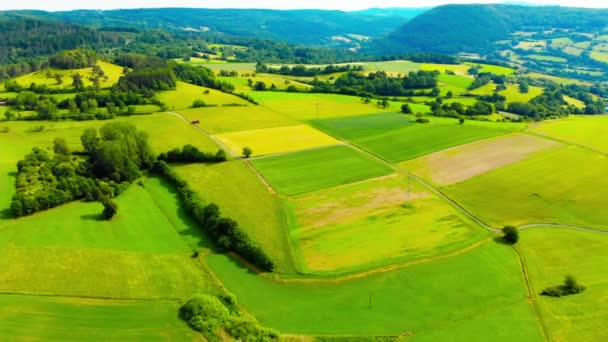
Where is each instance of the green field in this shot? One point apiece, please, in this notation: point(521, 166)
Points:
point(185, 94)
point(547, 58)
point(513, 94)
point(318, 106)
point(420, 139)
point(47, 76)
point(306, 171)
point(395, 219)
point(550, 255)
point(589, 131)
point(281, 83)
point(559, 186)
point(354, 127)
point(245, 199)
point(599, 56)
point(29, 318)
point(403, 300)
point(218, 120)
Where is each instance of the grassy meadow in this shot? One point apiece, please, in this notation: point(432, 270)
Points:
point(550, 255)
point(185, 94)
point(353, 127)
point(559, 186)
point(306, 171)
point(588, 131)
point(395, 219)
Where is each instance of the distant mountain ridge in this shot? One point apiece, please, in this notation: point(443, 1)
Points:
point(308, 27)
point(473, 28)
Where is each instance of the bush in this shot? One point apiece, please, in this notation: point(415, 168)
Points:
point(511, 234)
point(422, 120)
point(191, 154)
point(570, 287)
point(109, 208)
point(199, 103)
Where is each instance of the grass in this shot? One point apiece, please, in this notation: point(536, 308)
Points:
point(217, 66)
point(241, 83)
point(165, 131)
point(13, 147)
point(276, 140)
point(140, 254)
point(455, 80)
point(460, 163)
point(185, 94)
point(318, 106)
point(360, 126)
point(27, 318)
point(394, 219)
point(231, 119)
point(394, 67)
point(571, 50)
point(559, 186)
point(420, 139)
point(241, 196)
point(495, 69)
point(575, 102)
point(548, 58)
point(307, 171)
point(513, 94)
point(413, 299)
point(458, 69)
point(589, 131)
point(550, 255)
point(113, 73)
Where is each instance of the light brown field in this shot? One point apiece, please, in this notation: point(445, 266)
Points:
point(460, 163)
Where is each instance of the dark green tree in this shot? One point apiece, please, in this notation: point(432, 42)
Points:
point(510, 234)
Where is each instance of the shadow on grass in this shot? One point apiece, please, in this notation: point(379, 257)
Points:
point(92, 217)
point(193, 230)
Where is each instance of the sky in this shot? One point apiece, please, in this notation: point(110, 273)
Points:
point(60, 5)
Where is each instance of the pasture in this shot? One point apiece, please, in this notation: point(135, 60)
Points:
point(588, 131)
point(276, 140)
point(47, 76)
point(559, 186)
point(457, 164)
point(403, 299)
point(550, 255)
point(280, 83)
point(245, 199)
point(27, 318)
point(420, 139)
point(306, 171)
point(353, 127)
point(218, 120)
point(513, 94)
point(318, 106)
point(185, 94)
point(458, 69)
point(394, 218)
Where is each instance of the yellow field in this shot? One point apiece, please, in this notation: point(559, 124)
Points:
point(185, 94)
point(276, 140)
point(575, 102)
point(460, 163)
point(112, 72)
point(600, 56)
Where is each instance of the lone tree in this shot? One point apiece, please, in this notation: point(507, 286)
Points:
point(60, 146)
point(247, 152)
point(405, 109)
point(109, 208)
point(511, 234)
point(461, 120)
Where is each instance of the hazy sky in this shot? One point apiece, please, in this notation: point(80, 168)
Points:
point(278, 4)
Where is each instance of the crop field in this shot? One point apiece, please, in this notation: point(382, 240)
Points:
point(217, 66)
point(185, 94)
point(456, 80)
point(318, 106)
point(575, 102)
point(588, 131)
point(460, 163)
point(458, 69)
point(306, 171)
point(495, 69)
point(547, 58)
point(331, 225)
point(559, 186)
point(242, 86)
point(218, 120)
point(393, 67)
point(599, 56)
point(342, 307)
point(349, 128)
point(550, 255)
point(420, 139)
point(28, 318)
point(276, 140)
point(514, 95)
point(263, 218)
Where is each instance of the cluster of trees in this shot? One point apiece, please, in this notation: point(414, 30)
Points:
point(224, 231)
point(380, 84)
point(457, 109)
point(570, 287)
point(209, 315)
point(303, 71)
point(73, 59)
point(46, 180)
point(147, 81)
point(191, 154)
point(200, 76)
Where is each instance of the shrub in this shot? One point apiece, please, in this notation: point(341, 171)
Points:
point(199, 103)
point(570, 287)
point(511, 234)
point(109, 208)
point(422, 120)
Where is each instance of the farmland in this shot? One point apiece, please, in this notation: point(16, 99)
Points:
point(379, 222)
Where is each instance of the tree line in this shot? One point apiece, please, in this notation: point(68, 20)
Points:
point(303, 71)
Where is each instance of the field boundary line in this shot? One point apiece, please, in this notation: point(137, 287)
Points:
point(379, 270)
point(562, 226)
point(565, 142)
point(209, 135)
